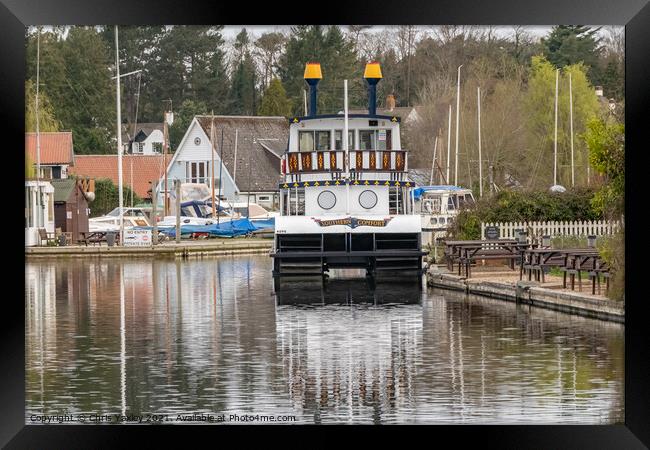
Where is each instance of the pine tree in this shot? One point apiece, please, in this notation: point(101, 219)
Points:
point(572, 44)
point(243, 90)
point(275, 101)
point(335, 53)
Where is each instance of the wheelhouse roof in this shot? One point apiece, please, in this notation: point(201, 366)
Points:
point(341, 116)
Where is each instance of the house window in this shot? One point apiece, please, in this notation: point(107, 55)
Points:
point(338, 142)
point(157, 147)
point(196, 172)
point(138, 147)
point(46, 172)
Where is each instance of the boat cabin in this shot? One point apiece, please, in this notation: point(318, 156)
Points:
point(438, 206)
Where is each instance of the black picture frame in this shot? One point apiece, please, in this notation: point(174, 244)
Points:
point(15, 15)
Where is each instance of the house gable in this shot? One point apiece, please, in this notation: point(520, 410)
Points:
point(191, 150)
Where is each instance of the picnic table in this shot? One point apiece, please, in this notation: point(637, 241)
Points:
point(571, 261)
point(465, 252)
point(97, 237)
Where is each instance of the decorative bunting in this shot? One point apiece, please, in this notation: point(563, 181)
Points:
point(395, 183)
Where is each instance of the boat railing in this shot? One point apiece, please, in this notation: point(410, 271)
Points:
point(334, 161)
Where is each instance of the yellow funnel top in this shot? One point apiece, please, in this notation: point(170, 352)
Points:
point(373, 70)
point(312, 71)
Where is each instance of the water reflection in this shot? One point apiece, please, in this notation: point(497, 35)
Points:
point(216, 336)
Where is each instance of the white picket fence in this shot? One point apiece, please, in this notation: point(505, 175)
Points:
point(555, 228)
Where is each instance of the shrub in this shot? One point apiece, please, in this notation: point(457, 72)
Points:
point(107, 197)
point(520, 206)
point(612, 250)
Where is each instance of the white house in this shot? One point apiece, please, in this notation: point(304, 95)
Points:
point(147, 139)
point(39, 210)
point(252, 148)
point(56, 152)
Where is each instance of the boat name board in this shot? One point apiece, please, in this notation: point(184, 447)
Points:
point(297, 184)
point(353, 222)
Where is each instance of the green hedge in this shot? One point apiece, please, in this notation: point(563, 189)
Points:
point(521, 206)
point(107, 197)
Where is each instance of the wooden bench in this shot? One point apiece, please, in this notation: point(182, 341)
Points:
point(46, 236)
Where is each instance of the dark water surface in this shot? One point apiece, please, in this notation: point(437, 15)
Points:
point(213, 336)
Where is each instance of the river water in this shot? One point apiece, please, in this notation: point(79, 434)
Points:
point(215, 336)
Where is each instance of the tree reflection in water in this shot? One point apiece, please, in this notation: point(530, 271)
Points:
point(216, 335)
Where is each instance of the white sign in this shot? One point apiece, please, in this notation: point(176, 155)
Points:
point(382, 135)
point(68, 214)
point(137, 238)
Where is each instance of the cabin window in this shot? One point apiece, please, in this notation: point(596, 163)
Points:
point(384, 140)
point(322, 140)
point(375, 139)
point(295, 201)
point(367, 140)
point(396, 201)
point(306, 141)
point(451, 204)
point(314, 140)
point(338, 141)
point(196, 171)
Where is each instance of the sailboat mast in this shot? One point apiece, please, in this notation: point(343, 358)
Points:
point(557, 78)
point(346, 150)
point(220, 173)
point(214, 210)
point(457, 124)
point(480, 157)
point(119, 137)
point(573, 174)
point(39, 201)
point(448, 145)
point(433, 160)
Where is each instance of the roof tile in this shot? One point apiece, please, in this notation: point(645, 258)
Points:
point(142, 169)
point(56, 147)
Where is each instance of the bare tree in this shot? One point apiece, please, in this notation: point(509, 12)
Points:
point(268, 48)
point(355, 32)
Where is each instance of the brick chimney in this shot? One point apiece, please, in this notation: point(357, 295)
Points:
point(390, 102)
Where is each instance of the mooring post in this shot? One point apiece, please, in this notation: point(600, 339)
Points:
point(177, 186)
point(154, 213)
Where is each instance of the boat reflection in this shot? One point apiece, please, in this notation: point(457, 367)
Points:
point(347, 289)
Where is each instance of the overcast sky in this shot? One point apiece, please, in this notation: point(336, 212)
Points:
point(230, 31)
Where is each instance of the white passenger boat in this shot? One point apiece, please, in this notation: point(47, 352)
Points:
point(346, 204)
point(438, 206)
